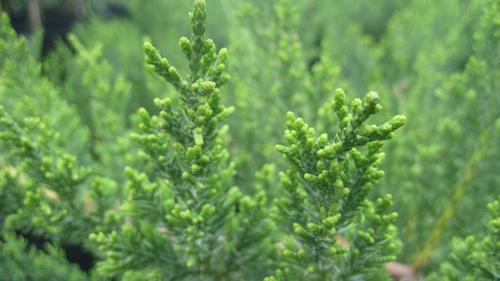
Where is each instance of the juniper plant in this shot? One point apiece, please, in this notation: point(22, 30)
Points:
point(44, 189)
point(456, 83)
point(475, 258)
point(326, 191)
point(190, 205)
point(192, 230)
point(184, 218)
point(21, 261)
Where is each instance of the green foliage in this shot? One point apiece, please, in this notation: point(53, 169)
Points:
point(25, 92)
point(101, 98)
point(10, 193)
point(453, 141)
point(44, 189)
point(327, 190)
point(59, 171)
point(21, 262)
point(475, 257)
point(184, 181)
point(185, 218)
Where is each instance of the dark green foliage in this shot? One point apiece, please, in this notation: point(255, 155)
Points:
point(21, 262)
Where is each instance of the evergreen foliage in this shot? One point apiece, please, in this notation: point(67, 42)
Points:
point(179, 175)
point(22, 262)
point(327, 188)
point(185, 219)
point(475, 258)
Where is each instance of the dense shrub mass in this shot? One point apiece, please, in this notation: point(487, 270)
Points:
point(260, 161)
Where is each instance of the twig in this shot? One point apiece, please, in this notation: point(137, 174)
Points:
point(402, 272)
point(34, 14)
point(77, 8)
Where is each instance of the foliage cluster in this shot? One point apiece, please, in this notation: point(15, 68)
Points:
point(159, 179)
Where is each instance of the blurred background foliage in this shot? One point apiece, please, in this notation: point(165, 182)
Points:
point(436, 61)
